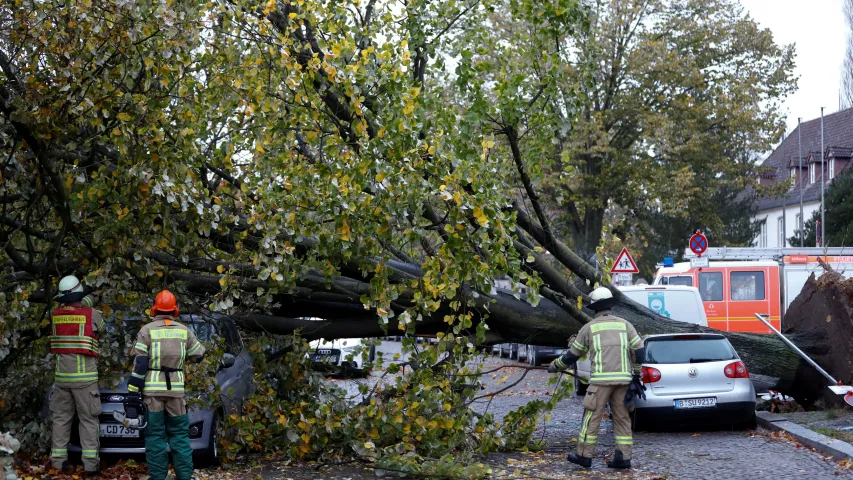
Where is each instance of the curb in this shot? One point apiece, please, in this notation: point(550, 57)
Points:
point(826, 445)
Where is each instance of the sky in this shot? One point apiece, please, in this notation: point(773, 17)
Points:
point(818, 29)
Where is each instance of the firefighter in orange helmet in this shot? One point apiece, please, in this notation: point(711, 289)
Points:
point(161, 349)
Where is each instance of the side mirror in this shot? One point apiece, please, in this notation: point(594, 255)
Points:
point(227, 361)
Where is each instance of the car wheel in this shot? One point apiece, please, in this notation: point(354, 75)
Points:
point(750, 424)
point(210, 455)
point(580, 387)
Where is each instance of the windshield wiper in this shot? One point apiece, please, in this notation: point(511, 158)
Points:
point(703, 360)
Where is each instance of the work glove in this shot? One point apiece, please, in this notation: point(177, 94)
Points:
point(552, 368)
point(639, 388)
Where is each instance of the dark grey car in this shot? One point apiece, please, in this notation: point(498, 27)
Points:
point(234, 379)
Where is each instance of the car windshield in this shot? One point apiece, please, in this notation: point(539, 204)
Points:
point(692, 350)
point(204, 331)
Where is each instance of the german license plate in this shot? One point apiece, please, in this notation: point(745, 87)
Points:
point(696, 403)
point(113, 430)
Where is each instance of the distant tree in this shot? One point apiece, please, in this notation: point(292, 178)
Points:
point(666, 235)
point(838, 214)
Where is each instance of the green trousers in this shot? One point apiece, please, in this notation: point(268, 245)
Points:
point(166, 430)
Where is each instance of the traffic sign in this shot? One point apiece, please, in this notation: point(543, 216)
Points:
point(624, 263)
point(698, 243)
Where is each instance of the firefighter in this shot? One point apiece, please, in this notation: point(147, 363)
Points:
point(609, 342)
point(75, 343)
point(161, 349)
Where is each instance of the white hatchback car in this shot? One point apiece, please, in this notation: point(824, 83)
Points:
point(694, 378)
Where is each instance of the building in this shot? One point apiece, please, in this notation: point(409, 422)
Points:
point(783, 165)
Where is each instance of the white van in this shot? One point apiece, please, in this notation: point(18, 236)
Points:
point(677, 302)
point(680, 303)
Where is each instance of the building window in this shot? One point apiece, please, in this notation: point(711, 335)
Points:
point(793, 178)
point(811, 172)
point(780, 232)
point(762, 238)
point(711, 286)
point(747, 285)
point(798, 226)
point(831, 169)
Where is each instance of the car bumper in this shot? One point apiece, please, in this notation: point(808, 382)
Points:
point(735, 406)
point(202, 420)
point(736, 412)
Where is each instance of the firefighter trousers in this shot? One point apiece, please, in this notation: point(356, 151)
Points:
point(85, 403)
point(168, 425)
point(594, 403)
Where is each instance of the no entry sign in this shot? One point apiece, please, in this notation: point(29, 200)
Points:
point(698, 243)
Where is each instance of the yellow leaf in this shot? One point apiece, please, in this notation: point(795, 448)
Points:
point(282, 419)
point(447, 407)
point(530, 259)
point(305, 438)
point(292, 15)
point(220, 269)
point(124, 117)
point(380, 176)
point(369, 445)
point(344, 232)
point(238, 83)
point(116, 132)
point(580, 302)
point(222, 282)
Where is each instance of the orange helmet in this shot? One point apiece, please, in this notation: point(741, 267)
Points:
point(165, 303)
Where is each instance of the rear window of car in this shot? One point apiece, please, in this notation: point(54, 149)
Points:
point(680, 280)
point(689, 350)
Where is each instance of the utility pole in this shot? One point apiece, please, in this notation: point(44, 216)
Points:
point(800, 176)
point(822, 185)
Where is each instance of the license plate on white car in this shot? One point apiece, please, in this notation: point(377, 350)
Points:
point(696, 403)
point(112, 430)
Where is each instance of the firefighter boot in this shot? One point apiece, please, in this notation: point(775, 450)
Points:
point(578, 460)
point(618, 461)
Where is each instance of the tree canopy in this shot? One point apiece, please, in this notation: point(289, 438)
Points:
point(373, 163)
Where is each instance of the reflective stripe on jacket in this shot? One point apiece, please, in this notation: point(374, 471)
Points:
point(76, 370)
point(609, 343)
point(167, 344)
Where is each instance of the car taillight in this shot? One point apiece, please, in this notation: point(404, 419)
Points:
point(649, 375)
point(736, 370)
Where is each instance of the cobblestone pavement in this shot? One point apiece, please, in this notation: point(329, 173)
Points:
point(672, 455)
point(676, 455)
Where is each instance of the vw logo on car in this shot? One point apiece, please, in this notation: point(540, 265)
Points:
point(692, 372)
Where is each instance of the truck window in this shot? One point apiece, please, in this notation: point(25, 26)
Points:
point(685, 281)
point(747, 285)
point(711, 286)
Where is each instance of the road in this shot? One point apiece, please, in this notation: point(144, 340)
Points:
point(679, 455)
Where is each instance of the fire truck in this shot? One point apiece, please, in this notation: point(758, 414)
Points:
point(737, 283)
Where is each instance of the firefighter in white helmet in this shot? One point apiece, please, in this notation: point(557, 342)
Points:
point(616, 354)
point(74, 342)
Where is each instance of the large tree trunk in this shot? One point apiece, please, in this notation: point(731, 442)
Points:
point(772, 364)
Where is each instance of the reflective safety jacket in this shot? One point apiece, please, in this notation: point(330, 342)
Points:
point(167, 344)
point(75, 343)
point(609, 342)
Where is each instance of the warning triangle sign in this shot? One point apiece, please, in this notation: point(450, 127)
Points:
point(624, 263)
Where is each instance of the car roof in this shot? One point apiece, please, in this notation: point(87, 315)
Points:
point(652, 288)
point(693, 336)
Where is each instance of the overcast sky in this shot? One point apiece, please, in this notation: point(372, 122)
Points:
point(818, 29)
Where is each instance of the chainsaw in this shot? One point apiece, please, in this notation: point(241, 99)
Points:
point(135, 415)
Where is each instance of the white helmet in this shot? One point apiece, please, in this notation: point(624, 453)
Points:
point(601, 299)
point(69, 284)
